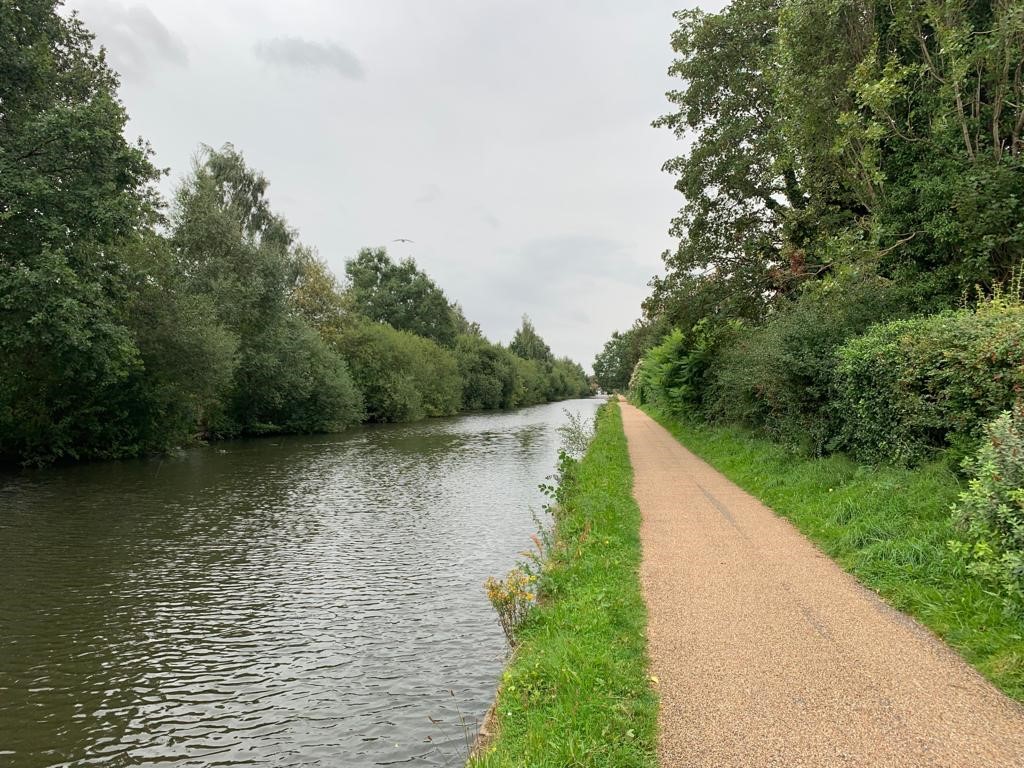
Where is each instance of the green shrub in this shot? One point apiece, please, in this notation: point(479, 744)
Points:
point(488, 374)
point(531, 386)
point(289, 380)
point(778, 377)
point(403, 377)
point(991, 511)
point(675, 374)
point(909, 387)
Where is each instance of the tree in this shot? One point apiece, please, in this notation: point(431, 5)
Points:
point(614, 364)
point(244, 258)
point(71, 190)
point(316, 296)
point(528, 344)
point(403, 377)
point(403, 296)
point(737, 177)
point(488, 374)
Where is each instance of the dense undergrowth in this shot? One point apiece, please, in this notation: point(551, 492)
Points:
point(577, 690)
point(888, 526)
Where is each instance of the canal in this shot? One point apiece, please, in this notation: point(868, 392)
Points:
point(293, 601)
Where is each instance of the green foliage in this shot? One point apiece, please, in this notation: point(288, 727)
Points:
point(577, 691)
point(402, 296)
point(887, 526)
point(188, 357)
point(848, 162)
point(116, 340)
point(528, 344)
point(736, 177)
point(488, 372)
point(69, 182)
point(675, 374)
point(614, 364)
point(65, 352)
point(991, 511)
point(909, 387)
point(778, 377)
point(898, 126)
point(71, 189)
point(403, 377)
point(289, 381)
point(239, 255)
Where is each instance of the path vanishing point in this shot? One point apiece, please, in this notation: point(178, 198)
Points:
point(766, 653)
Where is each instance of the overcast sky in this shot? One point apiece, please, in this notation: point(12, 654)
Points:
point(510, 140)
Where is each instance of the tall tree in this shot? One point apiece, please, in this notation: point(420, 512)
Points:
point(71, 191)
point(736, 176)
point(243, 257)
point(401, 295)
point(528, 344)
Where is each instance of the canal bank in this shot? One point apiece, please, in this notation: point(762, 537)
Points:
point(577, 690)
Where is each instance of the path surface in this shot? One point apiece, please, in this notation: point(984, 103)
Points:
point(767, 654)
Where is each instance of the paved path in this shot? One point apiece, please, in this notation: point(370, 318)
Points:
point(767, 654)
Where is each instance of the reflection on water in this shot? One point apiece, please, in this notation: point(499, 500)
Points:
point(284, 601)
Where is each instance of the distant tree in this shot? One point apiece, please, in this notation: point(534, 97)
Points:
point(614, 364)
point(528, 344)
point(402, 295)
point(403, 377)
point(488, 374)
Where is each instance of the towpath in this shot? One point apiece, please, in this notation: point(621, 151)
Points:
point(767, 654)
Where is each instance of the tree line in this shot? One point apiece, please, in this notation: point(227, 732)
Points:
point(848, 274)
point(129, 325)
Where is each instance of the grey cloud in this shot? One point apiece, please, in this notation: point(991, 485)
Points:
point(296, 53)
point(134, 37)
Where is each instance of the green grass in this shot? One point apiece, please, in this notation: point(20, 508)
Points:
point(887, 526)
point(577, 692)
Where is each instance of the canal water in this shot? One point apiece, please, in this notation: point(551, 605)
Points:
point(298, 601)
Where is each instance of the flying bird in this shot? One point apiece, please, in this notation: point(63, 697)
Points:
point(402, 240)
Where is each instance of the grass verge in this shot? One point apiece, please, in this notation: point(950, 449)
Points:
point(577, 691)
point(886, 526)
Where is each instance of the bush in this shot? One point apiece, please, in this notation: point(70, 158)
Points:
point(488, 374)
point(512, 599)
point(907, 388)
point(403, 377)
point(778, 377)
point(289, 380)
point(991, 511)
point(674, 375)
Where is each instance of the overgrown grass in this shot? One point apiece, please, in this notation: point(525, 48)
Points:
point(577, 692)
point(887, 526)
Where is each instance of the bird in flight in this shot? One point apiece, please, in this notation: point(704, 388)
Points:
point(402, 240)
